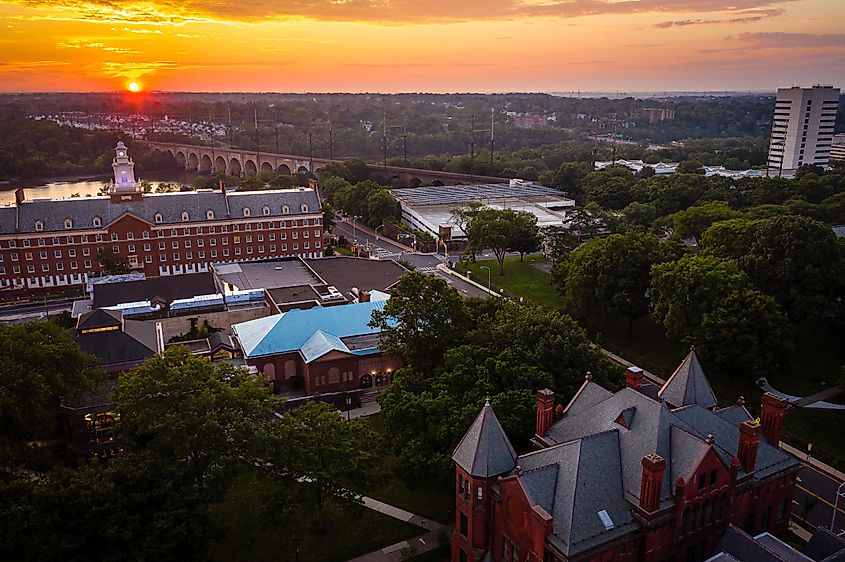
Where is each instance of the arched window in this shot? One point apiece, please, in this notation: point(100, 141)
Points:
point(185, 216)
point(246, 211)
point(68, 223)
point(285, 209)
point(97, 221)
point(209, 214)
point(304, 208)
point(265, 210)
point(39, 226)
point(158, 218)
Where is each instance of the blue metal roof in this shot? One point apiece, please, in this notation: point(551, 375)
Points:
point(314, 332)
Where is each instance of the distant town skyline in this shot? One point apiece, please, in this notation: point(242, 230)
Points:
point(432, 46)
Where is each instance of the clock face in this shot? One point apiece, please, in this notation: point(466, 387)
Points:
point(121, 153)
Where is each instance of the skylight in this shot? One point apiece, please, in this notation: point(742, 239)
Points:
point(605, 518)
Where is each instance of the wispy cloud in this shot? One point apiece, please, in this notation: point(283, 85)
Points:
point(746, 16)
point(784, 40)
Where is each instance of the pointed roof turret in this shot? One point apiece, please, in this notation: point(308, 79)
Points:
point(485, 451)
point(688, 385)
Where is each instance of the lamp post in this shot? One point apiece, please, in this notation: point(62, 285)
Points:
point(839, 493)
point(377, 228)
point(354, 232)
point(296, 548)
point(348, 406)
point(488, 275)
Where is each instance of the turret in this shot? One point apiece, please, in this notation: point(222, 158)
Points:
point(124, 188)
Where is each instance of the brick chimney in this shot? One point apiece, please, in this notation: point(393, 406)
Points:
point(545, 411)
point(20, 197)
point(364, 296)
point(634, 378)
point(749, 441)
point(772, 411)
point(653, 467)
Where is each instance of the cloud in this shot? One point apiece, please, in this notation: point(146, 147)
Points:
point(173, 12)
point(16, 66)
point(783, 40)
point(743, 16)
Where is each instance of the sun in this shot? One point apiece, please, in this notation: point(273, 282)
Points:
point(134, 87)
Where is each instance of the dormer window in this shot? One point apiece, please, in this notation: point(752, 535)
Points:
point(246, 211)
point(304, 208)
point(209, 214)
point(285, 209)
point(97, 221)
point(265, 210)
point(157, 218)
point(185, 217)
point(68, 223)
point(39, 226)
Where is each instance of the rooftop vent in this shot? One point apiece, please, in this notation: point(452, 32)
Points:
point(605, 518)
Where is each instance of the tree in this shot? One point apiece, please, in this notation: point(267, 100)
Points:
point(692, 222)
point(690, 167)
point(422, 319)
point(558, 242)
point(328, 216)
point(568, 178)
point(461, 217)
point(639, 215)
point(381, 205)
point(525, 237)
point(329, 457)
point(111, 263)
point(611, 194)
point(609, 276)
point(729, 239)
point(502, 230)
point(800, 262)
point(39, 367)
point(206, 416)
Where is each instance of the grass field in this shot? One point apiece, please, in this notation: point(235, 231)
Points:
point(251, 536)
point(813, 365)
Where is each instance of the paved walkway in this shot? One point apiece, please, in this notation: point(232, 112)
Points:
point(420, 544)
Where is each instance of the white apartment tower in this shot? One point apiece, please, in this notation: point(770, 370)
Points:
point(802, 128)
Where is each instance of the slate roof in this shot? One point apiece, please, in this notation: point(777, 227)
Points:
point(313, 332)
point(82, 210)
point(485, 450)
point(134, 343)
point(825, 546)
point(169, 288)
point(688, 385)
point(737, 545)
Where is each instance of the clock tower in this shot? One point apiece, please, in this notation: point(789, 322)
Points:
point(124, 188)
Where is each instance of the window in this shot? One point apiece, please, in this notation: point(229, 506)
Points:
point(162, 257)
point(146, 247)
point(42, 255)
point(55, 241)
point(148, 258)
point(781, 511)
point(189, 256)
point(702, 479)
point(246, 211)
point(130, 236)
point(237, 251)
point(317, 244)
point(87, 264)
point(213, 253)
point(200, 243)
point(285, 209)
point(68, 223)
point(131, 248)
point(767, 513)
point(86, 251)
point(294, 235)
point(187, 231)
point(175, 245)
point(74, 265)
point(198, 230)
point(113, 236)
point(60, 266)
point(212, 242)
point(236, 240)
point(71, 253)
point(249, 249)
point(296, 246)
point(175, 257)
point(45, 267)
point(261, 249)
point(57, 254)
point(284, 247)
point(209, 214)
point(185, 216)
point(161, 245)
point(201, 255)
point(464, 524)
point(42, 242)
point(713, 477)
point(98, 238)
point(306, 234)
point(12, 243)
point(306, 246)
point(261, 238)
point(187, 243)
point(146, 234)
point(316, 234)
point(304, 208)
point(265, 210)
point(39, 226)
point(115, 249)
point(272, 248)
point(247, 226)
point(249, 239)
point(226, 252)
point(211, 230)
point(30, 269)
point(97, 221)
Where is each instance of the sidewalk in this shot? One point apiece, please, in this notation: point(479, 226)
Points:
point(420, 544)
point(809, 460)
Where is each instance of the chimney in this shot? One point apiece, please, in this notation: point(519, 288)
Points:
point(653, 467)
point(634, 378)
point(772, 411)
point(364, 296)
point(20, 197)
point(749, 440)
point(545, 411)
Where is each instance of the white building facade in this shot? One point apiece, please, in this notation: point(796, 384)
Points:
point(802, 128)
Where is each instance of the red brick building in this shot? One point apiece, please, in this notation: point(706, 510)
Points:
point(646, 474)
point(52, 245)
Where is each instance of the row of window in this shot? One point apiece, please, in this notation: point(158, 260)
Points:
point(158, 218)
point(97, 222)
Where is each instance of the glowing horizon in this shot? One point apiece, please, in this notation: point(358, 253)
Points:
point(421, 46)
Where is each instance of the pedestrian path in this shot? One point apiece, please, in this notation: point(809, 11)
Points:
point(393, 553)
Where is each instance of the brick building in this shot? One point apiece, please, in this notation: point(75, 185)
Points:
point(52, 245)
point(319, 350)
point(646, 474)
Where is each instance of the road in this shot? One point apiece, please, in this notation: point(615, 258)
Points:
point(16, 313)
point(384, 248)
point(815, 496)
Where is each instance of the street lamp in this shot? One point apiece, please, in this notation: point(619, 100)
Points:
point(839, 494)
point(354, 235)
point(380, 226)
point(488, 275)
point(348, 406)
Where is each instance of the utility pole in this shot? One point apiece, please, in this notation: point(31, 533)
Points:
point(384, 140)
point(257, 145)
point(276, 127)
point(310, 149)
point(405, 137)
point(492, 128)
point(472, 148)
point(231, 138)
point(331, 141)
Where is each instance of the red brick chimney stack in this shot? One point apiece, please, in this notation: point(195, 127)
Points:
point(749, 441)
point(545, 411)
point(20, 197)
point(653, 467)
point(772, 412)
point(634, 378)
point(364, 296)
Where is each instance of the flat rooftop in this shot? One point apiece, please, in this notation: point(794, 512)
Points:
point(169, 288)
point(275, 274)
point(487, 193)
point(346, 272)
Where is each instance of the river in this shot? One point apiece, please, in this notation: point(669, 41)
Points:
point(87, 186)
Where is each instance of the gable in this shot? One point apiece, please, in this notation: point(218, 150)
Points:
point(128, 221)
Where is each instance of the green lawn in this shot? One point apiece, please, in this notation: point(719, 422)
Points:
point(250, 536)
point(813, 365)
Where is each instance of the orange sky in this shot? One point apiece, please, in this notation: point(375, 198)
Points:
point(421, 45)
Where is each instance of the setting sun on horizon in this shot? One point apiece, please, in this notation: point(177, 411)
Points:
point(133, 87)
point(438, 46)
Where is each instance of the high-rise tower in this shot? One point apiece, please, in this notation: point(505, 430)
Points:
point(124, 188)
point(802, 128)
